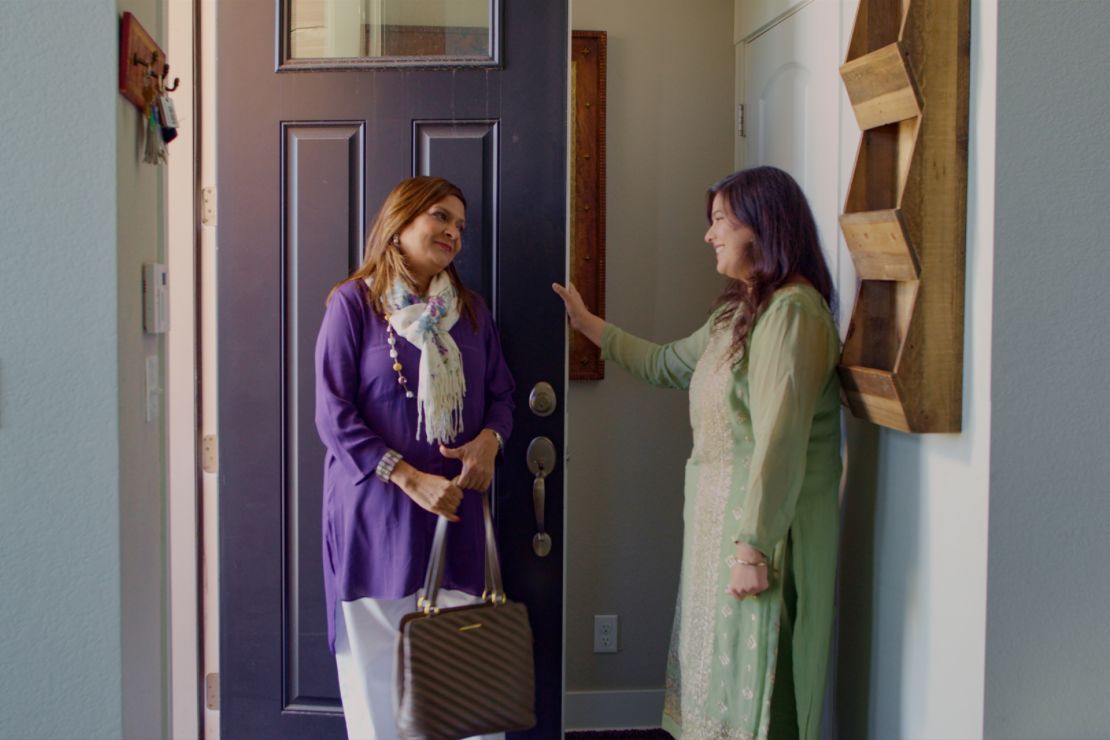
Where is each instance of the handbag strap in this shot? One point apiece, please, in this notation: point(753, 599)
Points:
point(433, 578)
point(494, 587)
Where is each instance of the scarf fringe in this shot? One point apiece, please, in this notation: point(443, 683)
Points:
point(440, 412)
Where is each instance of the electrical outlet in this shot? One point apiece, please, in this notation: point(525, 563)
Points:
point(605, 633)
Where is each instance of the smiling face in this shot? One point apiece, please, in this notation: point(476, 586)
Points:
point(432, 239)
point(732, 241)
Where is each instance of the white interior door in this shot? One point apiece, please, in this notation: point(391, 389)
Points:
point(791, 96)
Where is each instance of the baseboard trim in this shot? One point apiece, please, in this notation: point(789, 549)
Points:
point(609, 710)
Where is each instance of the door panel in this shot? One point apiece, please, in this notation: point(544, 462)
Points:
point(752, 15)
point(305, 158)
point(322, 203)
point(466, 153)
point(791, 90)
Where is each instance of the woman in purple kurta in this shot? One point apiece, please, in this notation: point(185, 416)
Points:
point(400, 453)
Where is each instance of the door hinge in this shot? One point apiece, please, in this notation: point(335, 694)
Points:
point(209, 454)
point(740, 121)
point(212, 691)
point(208, 205)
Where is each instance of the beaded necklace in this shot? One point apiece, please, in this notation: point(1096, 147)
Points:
point(397, 368)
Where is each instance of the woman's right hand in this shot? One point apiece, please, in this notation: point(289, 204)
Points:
point(432, 493)
point(580, 317)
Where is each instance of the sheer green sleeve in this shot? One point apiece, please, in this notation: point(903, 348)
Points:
point(793, 353)
point(665, 365)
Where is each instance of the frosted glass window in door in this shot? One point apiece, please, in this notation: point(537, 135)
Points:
point(390, 29)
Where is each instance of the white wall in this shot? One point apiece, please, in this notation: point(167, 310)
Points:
point(1049, 594)
point(670, 81)
point(913, 568)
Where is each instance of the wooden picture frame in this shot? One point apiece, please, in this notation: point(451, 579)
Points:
point(587, 191)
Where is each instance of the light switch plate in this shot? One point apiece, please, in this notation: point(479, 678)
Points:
point(153, 389)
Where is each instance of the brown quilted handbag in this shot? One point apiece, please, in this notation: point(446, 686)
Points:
point(467, 670)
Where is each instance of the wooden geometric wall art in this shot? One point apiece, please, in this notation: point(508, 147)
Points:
point(905, 216)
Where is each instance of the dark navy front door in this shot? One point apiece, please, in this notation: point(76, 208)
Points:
point(304, 159)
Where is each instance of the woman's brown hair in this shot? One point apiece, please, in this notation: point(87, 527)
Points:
point(770, 203)
point(384, 263)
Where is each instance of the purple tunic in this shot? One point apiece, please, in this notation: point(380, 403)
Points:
point(376, 539)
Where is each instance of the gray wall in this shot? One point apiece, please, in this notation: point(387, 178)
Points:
point(670, 81)
point(141, 236)
point(59, 434)
point(81, 526)
point(1048, 591)
point(913, 568)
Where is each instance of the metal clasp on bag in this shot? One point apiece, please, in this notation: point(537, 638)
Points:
point(424, 605)
point(494, 598)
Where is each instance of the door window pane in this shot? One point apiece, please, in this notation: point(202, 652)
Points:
point(352, 29)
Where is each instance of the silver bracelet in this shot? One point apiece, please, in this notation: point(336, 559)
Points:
point(500, 439)
point(387, 464)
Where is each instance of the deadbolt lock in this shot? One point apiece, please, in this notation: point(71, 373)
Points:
point(542, 399)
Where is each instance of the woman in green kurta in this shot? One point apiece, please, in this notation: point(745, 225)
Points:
point(749, 652)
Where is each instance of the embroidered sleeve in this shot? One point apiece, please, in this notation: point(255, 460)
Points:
point(665, 365)
point(793, 352)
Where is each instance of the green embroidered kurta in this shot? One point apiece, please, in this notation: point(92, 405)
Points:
point(765, 469)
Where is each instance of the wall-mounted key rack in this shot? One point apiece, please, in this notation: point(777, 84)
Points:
point(143, 68)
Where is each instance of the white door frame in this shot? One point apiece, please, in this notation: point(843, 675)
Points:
point(192, 525)
point(209, 526)
point(182, 716)
point(192, 598)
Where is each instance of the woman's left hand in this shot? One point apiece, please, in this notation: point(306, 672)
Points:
point(591, 326)
point(748, 580)
point(477, 457)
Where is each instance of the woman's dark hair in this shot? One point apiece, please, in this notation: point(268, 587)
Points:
point(770, 203)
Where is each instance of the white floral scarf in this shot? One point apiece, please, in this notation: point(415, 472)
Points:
point(426, 323)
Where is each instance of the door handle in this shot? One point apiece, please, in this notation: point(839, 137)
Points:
point(541, 461)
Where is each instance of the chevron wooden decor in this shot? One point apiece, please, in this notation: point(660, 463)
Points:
point(904, 219)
